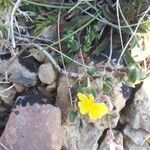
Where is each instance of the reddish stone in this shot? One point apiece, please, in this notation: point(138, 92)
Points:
point(36, 127)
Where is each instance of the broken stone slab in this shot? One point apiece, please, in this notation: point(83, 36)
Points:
point(130, 145)
point(137, 114)
point(80, 138)
point(139, 136)
point(112, 141)
point(33, 125)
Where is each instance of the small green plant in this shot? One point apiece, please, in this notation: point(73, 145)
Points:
point(5, 3)
point(41, 23)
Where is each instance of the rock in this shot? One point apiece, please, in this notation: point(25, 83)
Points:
point(50, 33)
point(46, 33)
point(7, 94)
point(139, 136)
point(130, 145)
point(33, 125)
point(76, 138)
point(19, 88)
point(47, 73)
point(63, 99)
point(49, 96)
point(51, 87)
point(115, 142)
point(39, 56)
point(137, 114)
point(23, 71)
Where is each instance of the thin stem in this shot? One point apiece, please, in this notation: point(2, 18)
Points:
point(139, 22)
point(110, 54)
point(118, 19)
point(12, 22)
point(58, 6)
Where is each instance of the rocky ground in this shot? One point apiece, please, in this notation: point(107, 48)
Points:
point(40, 103)
point(38, 94)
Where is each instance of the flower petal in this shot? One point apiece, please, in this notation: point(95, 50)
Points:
point(82, 97)
point(97, 110)
point(83, 107)
point(91, 98)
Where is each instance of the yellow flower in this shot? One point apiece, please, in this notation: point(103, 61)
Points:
point(87, 105)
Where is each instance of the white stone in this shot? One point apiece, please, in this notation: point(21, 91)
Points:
point(47, 73)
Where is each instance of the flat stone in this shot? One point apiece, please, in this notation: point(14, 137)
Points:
point(130, 145)
point(33, 125)
point(139, 136)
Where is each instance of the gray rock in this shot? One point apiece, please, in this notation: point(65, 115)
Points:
point(137, 115)
point(39, 56)
point(33, 125)
point(7, 94)
point(23, 71)
point(47, 73)
point(139, 136)
point(130, 145)
point(21, 75)
point(49, 33)
point(76, 138)
point(115, 142)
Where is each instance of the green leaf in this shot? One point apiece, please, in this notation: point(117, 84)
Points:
point(128, 59)
point(134, 42)
point(133, 75)
point(73, 116)
point(91, 72)
point(73, 45)
point(77, 22)
point(80, 123)
point(94, 93)
point(102, 45)
point(5, 3)
point(106, 88)
point(107, 13)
